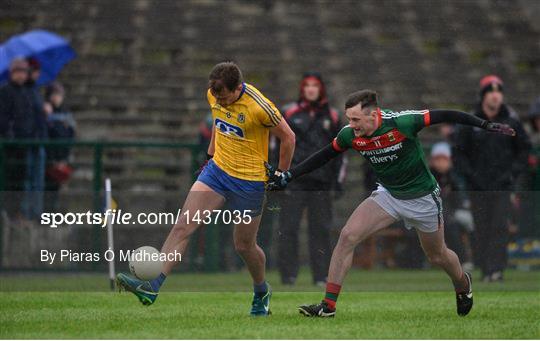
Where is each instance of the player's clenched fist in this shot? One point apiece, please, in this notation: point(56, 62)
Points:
point(277, 180)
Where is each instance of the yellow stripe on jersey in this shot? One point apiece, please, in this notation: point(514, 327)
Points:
point(242, 133)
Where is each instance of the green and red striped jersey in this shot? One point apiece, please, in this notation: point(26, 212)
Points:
point(394, 152)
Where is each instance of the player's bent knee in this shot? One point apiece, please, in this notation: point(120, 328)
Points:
point(242, 248)
point(436, 258)
point(348, 237)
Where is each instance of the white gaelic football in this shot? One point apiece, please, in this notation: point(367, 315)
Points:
point(145, 263)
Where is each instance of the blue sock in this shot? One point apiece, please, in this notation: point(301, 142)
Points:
point(158, 281)
point(260, 288)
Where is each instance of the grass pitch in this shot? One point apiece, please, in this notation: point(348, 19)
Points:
point(375, 304)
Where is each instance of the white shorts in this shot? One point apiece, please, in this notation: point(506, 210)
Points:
point(424, 213)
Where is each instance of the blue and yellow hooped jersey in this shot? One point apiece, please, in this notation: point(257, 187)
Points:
point(242, 132)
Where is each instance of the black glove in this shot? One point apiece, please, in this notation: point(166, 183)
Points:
point(277, 180)
point(500, 128)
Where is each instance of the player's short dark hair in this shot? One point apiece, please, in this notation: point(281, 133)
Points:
point(366, 98)
point(225, 75)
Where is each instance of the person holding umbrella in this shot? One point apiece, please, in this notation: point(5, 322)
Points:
point(18, 121)
point(34, 183)
point(21, 109)
point(52, 52)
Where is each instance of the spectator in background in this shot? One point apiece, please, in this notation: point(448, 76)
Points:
point(17, 121)
point(458, 220)
point(60, 125)
point(34, 182)
point(15, 105)
point(315, 125)
point(490, 164)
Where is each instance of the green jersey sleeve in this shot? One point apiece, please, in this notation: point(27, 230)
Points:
point(409, 122)
point(343, 140)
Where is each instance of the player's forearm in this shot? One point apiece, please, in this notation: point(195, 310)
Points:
point(454, 116)
point(286, 152)
point(315, 161)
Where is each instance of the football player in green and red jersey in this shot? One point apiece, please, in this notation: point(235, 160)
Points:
point(407, 190)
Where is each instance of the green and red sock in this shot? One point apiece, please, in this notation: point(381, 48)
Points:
point(331, 295)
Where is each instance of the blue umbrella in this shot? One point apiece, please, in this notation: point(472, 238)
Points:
point(51, 50)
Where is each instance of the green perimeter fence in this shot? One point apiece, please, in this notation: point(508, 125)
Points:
point(99, 148)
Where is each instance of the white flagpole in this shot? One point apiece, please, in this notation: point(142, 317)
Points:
point(110, 242)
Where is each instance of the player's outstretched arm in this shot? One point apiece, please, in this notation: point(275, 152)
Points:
point(318, 159)
point(454, 116)
point(314, 161)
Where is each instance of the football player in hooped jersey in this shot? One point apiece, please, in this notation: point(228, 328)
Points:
point(235, 175)
point(407, 189)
